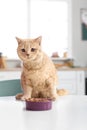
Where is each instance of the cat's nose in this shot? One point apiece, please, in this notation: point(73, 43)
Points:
point(27, 54)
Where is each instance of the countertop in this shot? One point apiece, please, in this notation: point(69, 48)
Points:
point(67, 113)
point(10, 69)
point(59, 69)
point(72, 69)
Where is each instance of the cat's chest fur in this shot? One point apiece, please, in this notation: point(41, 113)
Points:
point(38, 73)
point(37, 77)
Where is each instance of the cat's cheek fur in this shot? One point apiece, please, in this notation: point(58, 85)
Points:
point(22, 57)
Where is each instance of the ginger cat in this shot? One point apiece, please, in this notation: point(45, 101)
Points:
point(39, 76)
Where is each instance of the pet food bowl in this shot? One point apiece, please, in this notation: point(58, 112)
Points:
point(38, 104)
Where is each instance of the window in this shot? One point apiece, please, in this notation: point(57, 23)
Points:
point(13, 22)
point(49, 18)
point(32, 18)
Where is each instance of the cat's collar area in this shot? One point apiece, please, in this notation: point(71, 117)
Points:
point(30, 68)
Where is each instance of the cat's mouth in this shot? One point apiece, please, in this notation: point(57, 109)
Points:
point(30, 58)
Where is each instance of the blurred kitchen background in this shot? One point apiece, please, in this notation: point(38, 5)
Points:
point(57, 21)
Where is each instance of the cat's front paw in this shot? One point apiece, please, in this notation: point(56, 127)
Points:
point(55, 97)
point(25, 97)
point(18, 96)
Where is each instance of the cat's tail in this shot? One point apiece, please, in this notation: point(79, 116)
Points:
point(62, 92)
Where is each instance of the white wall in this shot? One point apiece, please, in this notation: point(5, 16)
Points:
point(79, 47)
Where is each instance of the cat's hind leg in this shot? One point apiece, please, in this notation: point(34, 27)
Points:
point(50, 89)
point(50, 93)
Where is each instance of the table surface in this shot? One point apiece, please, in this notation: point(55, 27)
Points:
point(68, 113)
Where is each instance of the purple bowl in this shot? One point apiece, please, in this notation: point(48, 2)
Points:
point(39, 105)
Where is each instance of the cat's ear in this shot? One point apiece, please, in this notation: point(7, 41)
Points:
point(38, 40)
point(18, 40)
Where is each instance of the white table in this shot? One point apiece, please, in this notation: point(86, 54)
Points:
point(68, 113)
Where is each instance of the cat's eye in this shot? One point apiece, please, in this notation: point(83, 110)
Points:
point(23, 50)
point(33, 49)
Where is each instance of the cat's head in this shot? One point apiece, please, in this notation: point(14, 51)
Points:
point(29, 49)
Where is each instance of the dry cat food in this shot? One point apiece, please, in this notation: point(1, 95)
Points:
point(38, 100)
point(38, 104)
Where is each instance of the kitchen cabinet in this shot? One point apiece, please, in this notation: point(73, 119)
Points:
point(9, 75)
point(10, 83)
point(73, 81)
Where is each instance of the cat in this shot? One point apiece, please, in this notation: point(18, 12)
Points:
point(39, 76)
